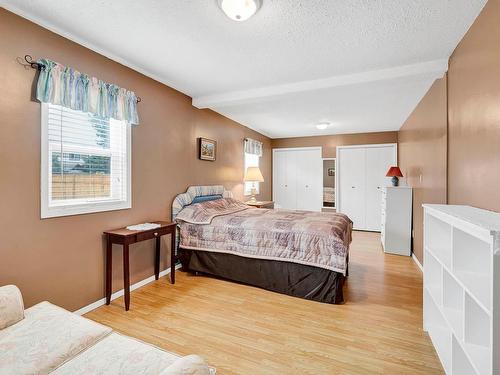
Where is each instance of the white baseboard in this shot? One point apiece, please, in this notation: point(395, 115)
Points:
point(417, 262)
point(120, 293)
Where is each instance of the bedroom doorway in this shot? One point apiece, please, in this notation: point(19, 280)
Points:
point(329, 170)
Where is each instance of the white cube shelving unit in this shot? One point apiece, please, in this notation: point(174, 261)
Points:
point(462, 287)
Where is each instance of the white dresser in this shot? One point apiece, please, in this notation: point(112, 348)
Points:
point(396, 220)
point(462, 287)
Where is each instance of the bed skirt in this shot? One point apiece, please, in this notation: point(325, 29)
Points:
point(298, 280)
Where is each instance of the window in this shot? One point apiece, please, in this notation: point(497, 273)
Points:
point(251, 160)
point(85, 163)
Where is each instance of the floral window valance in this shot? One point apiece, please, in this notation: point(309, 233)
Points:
point(253, 147)
point(61, 85)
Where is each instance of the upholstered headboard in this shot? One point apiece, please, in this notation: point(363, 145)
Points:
point(193, 194)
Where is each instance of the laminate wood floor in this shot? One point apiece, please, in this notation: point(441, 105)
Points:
point(245, 330)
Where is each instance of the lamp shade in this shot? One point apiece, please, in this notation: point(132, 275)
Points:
point(394, 172)
point(253, 174)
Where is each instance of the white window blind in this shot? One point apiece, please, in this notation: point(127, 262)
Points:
point(251, 160)
point(85, 162)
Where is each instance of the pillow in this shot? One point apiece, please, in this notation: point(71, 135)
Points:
point(204, 212)
point(188, 365)
point(11, 306)
point(204, 198)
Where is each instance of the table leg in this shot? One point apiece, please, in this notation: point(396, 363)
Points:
point(172, 257)
point(126, 276)
point(157, 258)
point(109, 270)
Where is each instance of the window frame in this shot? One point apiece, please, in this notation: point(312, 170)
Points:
point(80, 206)
point(247, 191)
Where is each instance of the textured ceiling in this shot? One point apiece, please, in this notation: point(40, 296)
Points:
point(191, 46)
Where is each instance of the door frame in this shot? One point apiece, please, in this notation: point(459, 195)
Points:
point(338, 191)
point(320, 148)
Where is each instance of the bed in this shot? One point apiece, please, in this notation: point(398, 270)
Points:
point(299, 253)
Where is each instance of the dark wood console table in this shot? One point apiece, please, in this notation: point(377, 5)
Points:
point(126, 237)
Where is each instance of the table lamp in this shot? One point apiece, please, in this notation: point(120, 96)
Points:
point(394, 172)
point(253, 175)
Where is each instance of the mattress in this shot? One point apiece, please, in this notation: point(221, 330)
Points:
point(303, 237)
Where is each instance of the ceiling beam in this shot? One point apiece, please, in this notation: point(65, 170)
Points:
point(436, 68)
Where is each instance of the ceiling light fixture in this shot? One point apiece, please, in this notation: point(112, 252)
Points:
point(239, 10)
point(322, 125)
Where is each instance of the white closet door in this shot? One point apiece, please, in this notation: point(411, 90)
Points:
point(309, 179)
point(279, 181)
point(285, 179)
point(378, 161)
point(290, 201)
point(352, 184)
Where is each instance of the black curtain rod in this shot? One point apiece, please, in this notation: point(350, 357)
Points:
point(41, 67)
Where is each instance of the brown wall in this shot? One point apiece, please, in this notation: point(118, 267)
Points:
point(473, 127)
point(61, 259)
point(329, 143)
point(474, 114)
point(422, 155)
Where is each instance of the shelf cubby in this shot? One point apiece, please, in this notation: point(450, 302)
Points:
point(461, 364)
point(438, 330)
point(477, 335)
point(472, 265)
point(433, 279)
point(438, 239)
point(453, 303)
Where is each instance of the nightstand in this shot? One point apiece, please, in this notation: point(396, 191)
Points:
point(261, 204)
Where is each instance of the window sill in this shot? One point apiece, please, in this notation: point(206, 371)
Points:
point(82, 209)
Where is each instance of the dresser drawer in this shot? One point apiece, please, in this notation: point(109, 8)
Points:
point(153, 233)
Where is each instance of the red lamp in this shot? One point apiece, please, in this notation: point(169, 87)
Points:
point(394, 172)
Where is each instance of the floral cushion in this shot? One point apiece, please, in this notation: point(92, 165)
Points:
point(118, 354)
point(46, 338)
point(11, 306)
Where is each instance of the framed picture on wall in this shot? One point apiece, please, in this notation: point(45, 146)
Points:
point(207, 149)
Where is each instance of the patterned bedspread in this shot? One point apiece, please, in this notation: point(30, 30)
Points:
point(229, 226)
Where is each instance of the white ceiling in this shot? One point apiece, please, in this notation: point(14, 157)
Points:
point(359, 108)
point(361, 64)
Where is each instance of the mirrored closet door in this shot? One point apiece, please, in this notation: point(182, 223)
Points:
point(329, 168)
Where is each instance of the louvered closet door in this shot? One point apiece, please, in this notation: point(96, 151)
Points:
point(352, 174)
point(309, 179)
point(378, 161)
